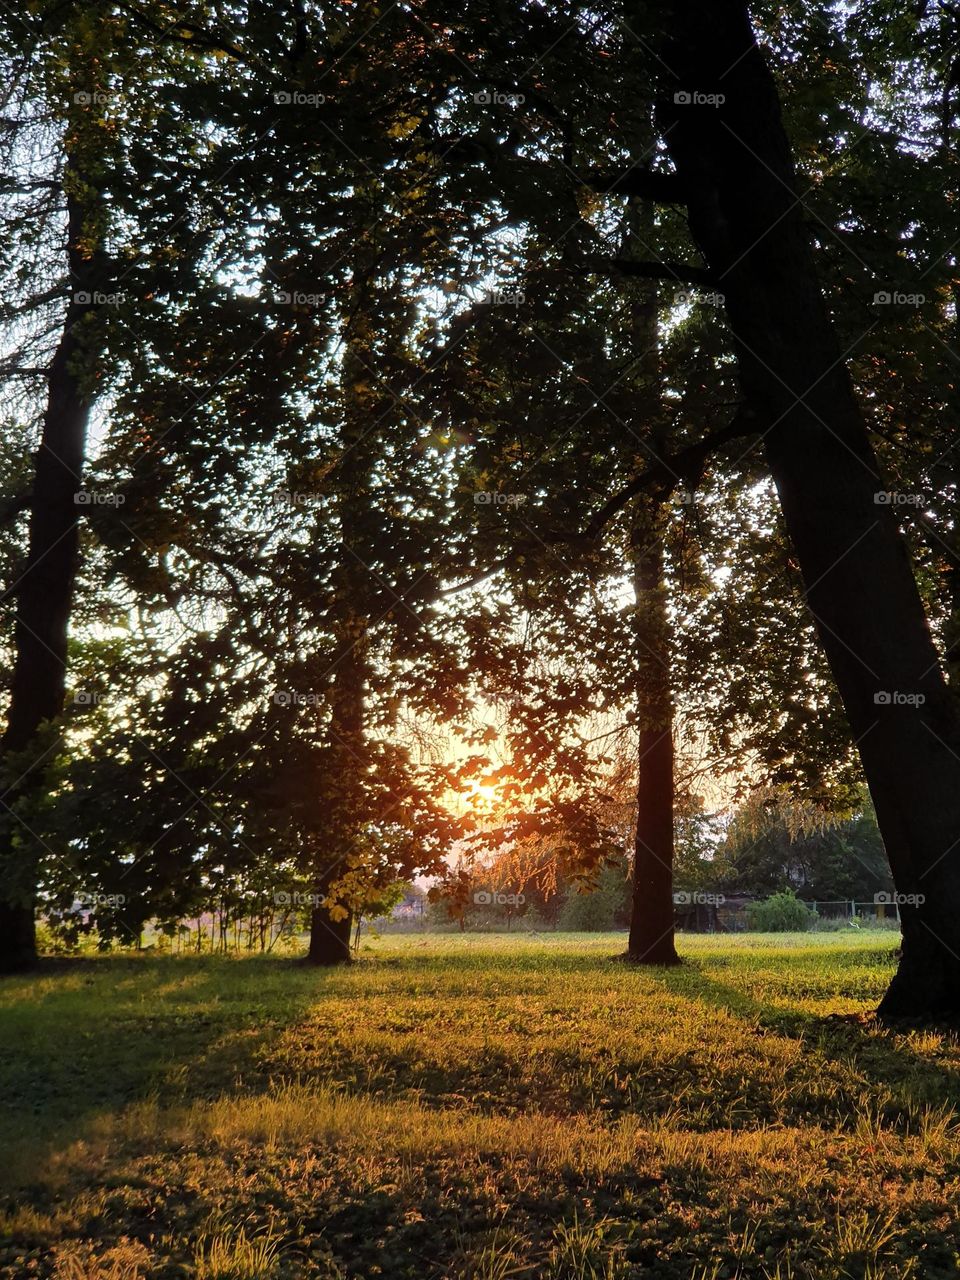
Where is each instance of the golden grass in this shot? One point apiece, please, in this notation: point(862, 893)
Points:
point(475, 1109)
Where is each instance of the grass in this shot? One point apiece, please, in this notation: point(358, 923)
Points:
point(478, 1107)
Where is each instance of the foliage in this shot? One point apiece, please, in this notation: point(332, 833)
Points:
point(780, 913)
point(312, 376)
point(771, 848)
point(600, 908)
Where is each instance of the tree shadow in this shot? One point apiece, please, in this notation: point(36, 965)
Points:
point(85, 1037)
point(880, 1051)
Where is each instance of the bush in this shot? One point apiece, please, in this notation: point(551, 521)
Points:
point(51, 942)
point(604, 908)
point(781, 913)
point(586, 913)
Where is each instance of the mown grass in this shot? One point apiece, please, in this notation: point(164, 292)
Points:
point(478, 1107)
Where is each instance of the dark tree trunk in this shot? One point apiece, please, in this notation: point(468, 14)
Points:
point(44, 592)
point(329, 939)
point(943, 542)
point(736, 172)
point(345, 800)
point(652, 917)
point(18, 936)
point(651, 939)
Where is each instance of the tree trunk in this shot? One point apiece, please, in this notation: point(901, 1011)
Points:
point(329, 939)
point(651, 939)
point(44, 592)
point(946, 542)
point(736, 171)
point(344, 799)
point(652, 917)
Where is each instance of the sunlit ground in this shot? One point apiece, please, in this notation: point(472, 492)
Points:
point(478, 1106)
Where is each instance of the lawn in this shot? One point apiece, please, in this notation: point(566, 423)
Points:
point(478, 1106)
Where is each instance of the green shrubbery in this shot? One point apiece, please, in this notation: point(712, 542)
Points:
point(605, 907)
point(780, 913)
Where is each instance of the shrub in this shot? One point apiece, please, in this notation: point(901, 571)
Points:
point(781, 913)
point(603, 908)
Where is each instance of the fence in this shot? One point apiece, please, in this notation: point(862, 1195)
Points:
point(717, 913)
point(847, 908)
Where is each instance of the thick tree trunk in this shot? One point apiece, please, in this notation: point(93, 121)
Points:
point(947, 542)
point(329, 939)
point(344, 789)
point(44, 594)
point(736, 172)
point(651, 939)
point(341, 824)
point(652, 917)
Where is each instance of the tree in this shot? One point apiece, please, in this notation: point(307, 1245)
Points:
point(774, 847)
point(735, 174)
point(65, 81)
point(290, 532)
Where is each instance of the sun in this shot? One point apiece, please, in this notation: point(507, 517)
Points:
point(482, 796)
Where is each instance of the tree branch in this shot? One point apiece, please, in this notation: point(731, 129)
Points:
point(664, 188)
point(185, 32)
point(23, 371)
point(686, 465)
point(678, 272)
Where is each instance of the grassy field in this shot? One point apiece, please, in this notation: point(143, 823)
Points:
point(478, 1107)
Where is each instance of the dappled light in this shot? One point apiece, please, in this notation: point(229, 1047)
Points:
point(480, 746)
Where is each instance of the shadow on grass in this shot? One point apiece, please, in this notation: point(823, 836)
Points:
point(83, 1037)
point(87, 1037)
point(882, 1053)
